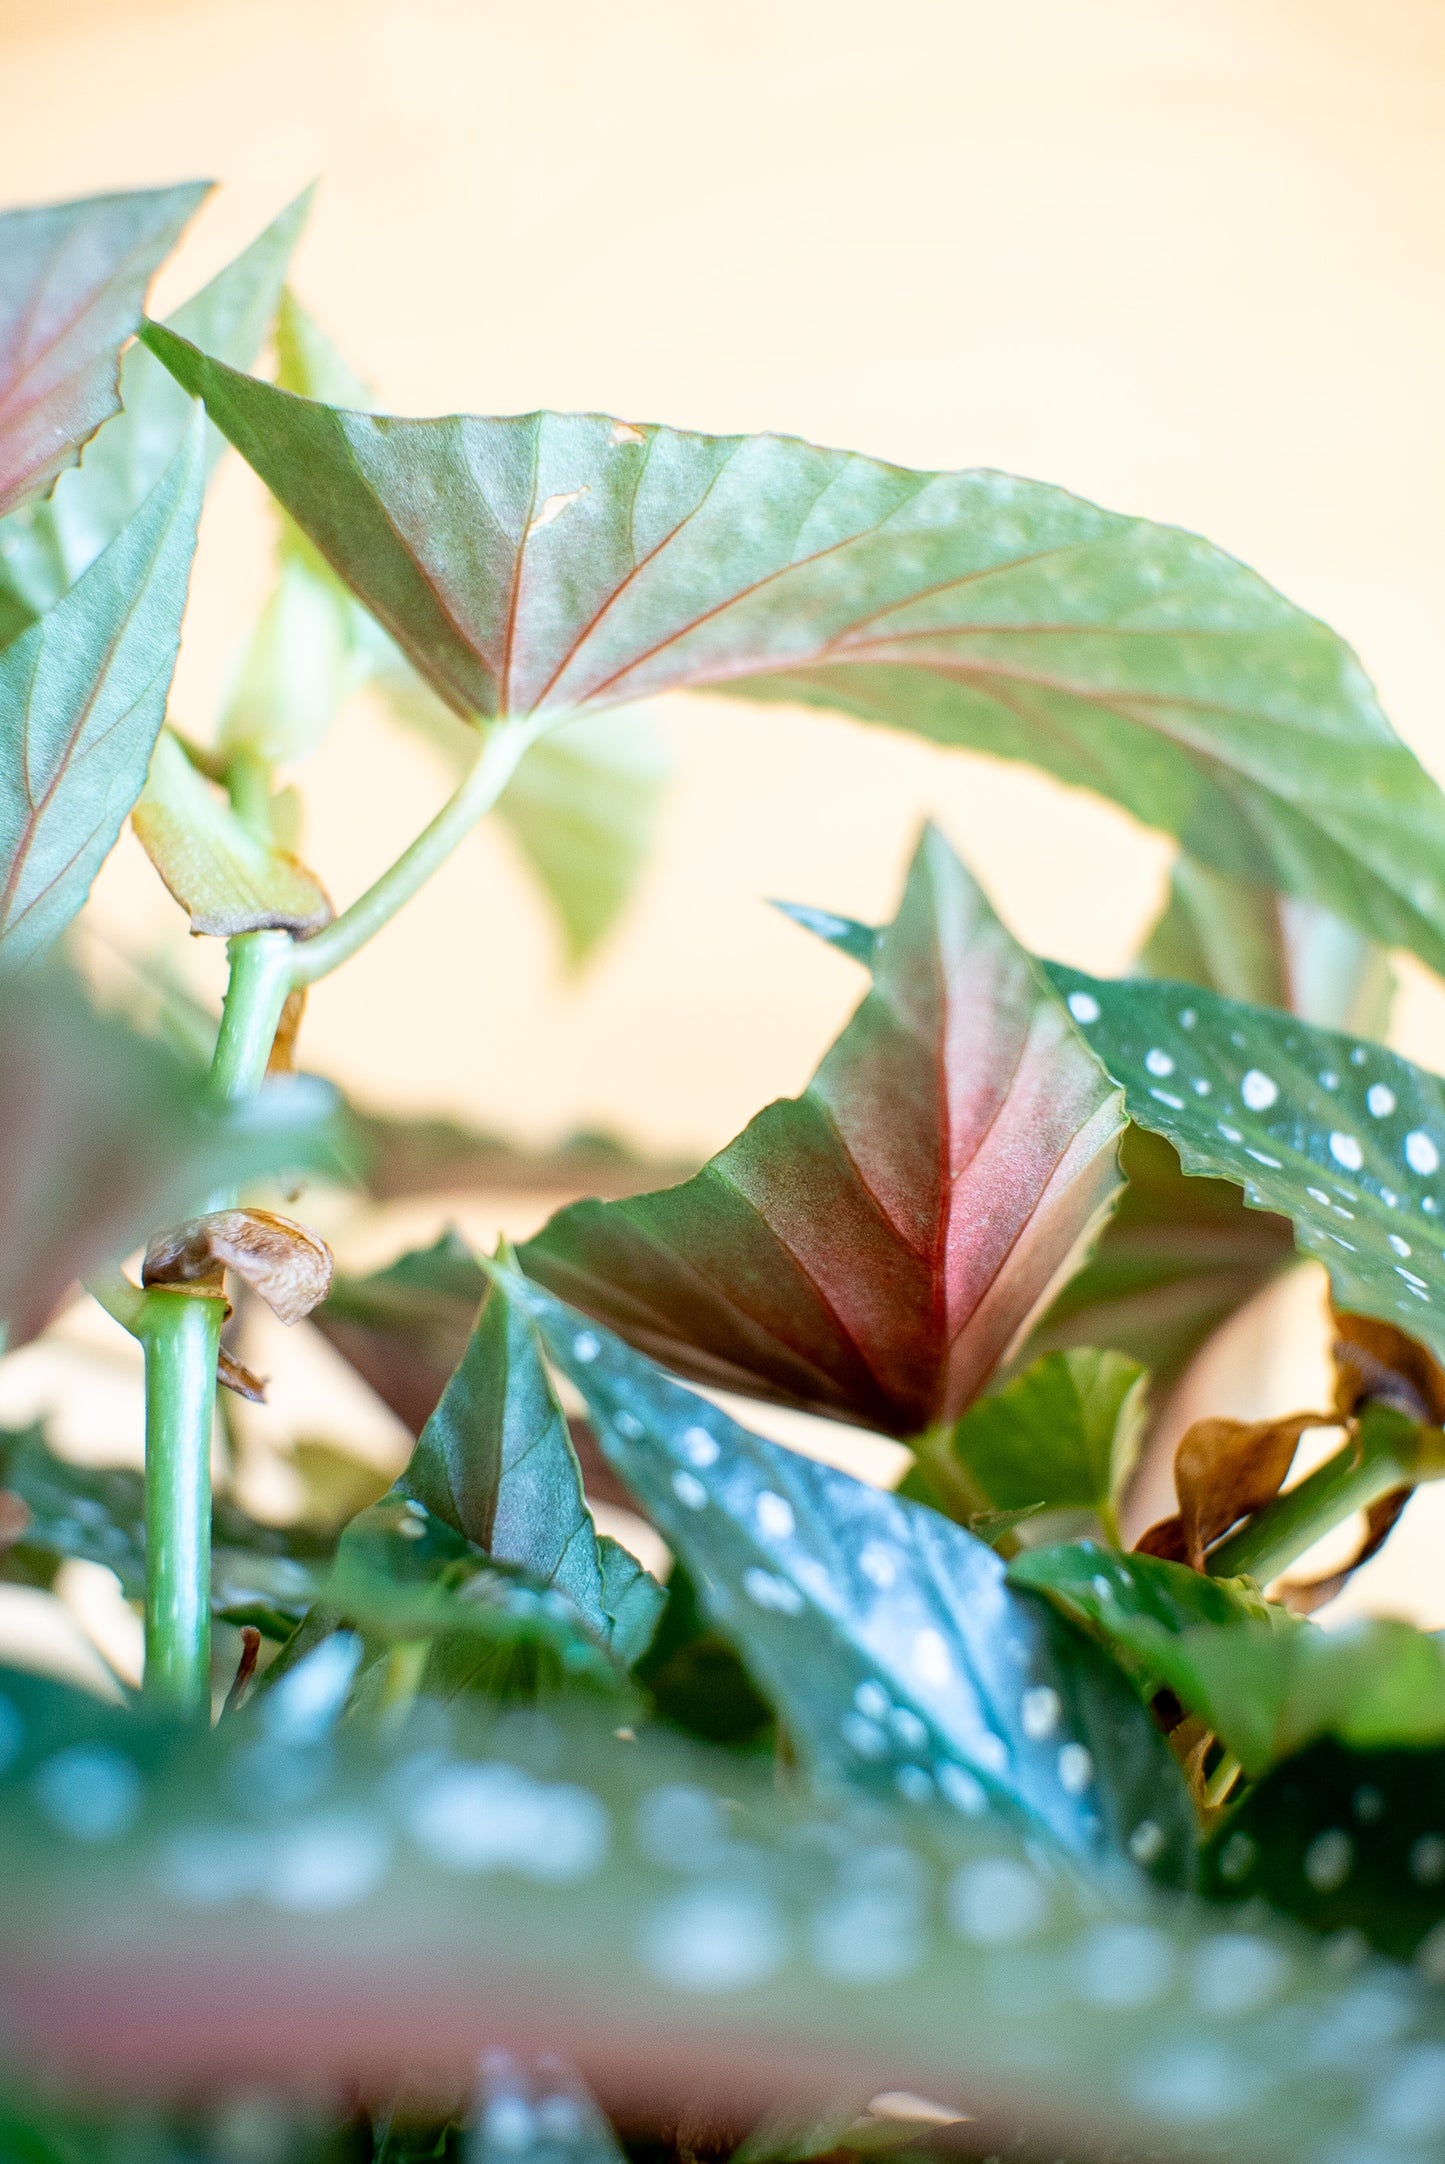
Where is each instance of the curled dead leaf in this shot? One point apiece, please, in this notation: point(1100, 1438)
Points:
point(1225, 1470)
point(1303, 1595)
point(237, 1376)
point(1377, 1364)
point(288, 1265)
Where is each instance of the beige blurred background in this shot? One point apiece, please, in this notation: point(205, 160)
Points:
point(1185, 260)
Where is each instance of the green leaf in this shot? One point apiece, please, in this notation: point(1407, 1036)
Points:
point(1340, 1136)
point(390, 1899)
point(45, 549)
point(559, 563)
point(1065, 1433)
point(583, 807)
point(1266, 1682)
point(1250, 942)
point(82, 696)
point(1349, 1842)
point(495, 1462)
point(872, 1248)
point(1179, 1256)
point(537, 2112)
point(400, 1157)
point(73, 278)
point(104, 1135)
point(226, 880)
point(97, 1513)
point(883, 1632)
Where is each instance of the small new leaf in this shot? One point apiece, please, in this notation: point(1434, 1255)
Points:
point(1062, 1435)
point(225, 879)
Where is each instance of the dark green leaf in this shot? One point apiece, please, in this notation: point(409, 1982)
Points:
point(1065, 1434)
point(73, 278)
point(872, 1248)
point(1351, 1842)
point(82, 696)
point(1341, 1136)
point(496, 1463)
point(553, 563)
point(47, 546)
point(1179, 1256)
point(883, 1632)
point(696, 1680)
point(104, 1135)
point(254, 1906)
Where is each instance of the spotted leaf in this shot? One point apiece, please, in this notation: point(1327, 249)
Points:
point(73, 278)
point(553, 564)
point(885, 1634)
point(1342, 1137)
point(495, 1461)
point(319, 1908)
point(872, 1248)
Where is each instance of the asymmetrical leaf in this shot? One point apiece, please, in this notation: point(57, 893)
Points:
point(1250, 942)
point(1265, 1682)
point(104, 1134)
point(1065, 1434)
point(496, 1463)
point(279, 1913)
point(873, 1248)
point(1341, 1136)
point(226, 879)
point(45, 547)
point(883, 1632)
point(1350, 1842)
point(82, 696)
point(1179, 1256)
point(557, 563)
point(405, 1328)
point(73, 278)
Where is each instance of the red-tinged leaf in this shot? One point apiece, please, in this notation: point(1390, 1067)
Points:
point(873, 1248)
point(550, 565)
point(73, 279)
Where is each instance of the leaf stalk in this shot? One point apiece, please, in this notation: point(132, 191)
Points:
point(1388, 1451)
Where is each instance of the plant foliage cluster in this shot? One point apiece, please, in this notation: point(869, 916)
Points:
point(934, 1818)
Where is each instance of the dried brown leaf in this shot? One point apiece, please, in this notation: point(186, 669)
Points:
point(288, 1265)
point(1225, 1470)
point(237, 1376)
point(1376, 1363)
point(1303, 1595)
point(288, 1029)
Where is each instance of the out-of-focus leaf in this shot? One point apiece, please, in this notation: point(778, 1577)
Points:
point(536, 2111)
point(556, 563)
point(583, 806)
point(496, 1463)
point(225, 878)
point(402, 1157)
point(1225, 1470)
point(1250, 942)
point(1350, 1842)
point(406, 1579)
point(1064, 1434)
point(46, 547)
point(1179, 1256)
point(240, 1907)
point(872, 1248)
point(104, 1134)
point(883, 1632)
point(97, 1513)
point(73, 278)
point(299, 668)
point(1265, 1682)
point(82, 695)
point(1340, 1136)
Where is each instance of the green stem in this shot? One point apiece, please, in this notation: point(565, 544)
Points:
point(248, 784)
point(182, 1335)
point(316, 958)
point(1389, 1451)
point(1222, 1780)
point(259, 982)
